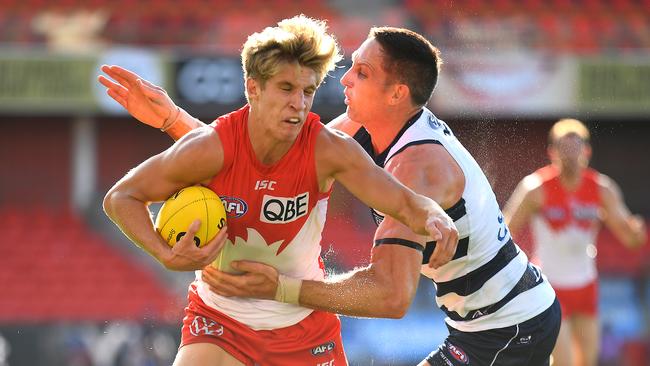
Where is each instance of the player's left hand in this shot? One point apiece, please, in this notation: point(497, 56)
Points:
point(258, 280)
point(145, 101)
point(442, 229)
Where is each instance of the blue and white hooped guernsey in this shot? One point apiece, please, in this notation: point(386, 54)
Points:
point(489, 283)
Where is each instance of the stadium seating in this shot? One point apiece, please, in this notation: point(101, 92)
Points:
point(615, 258)
point(55, 268)
point(579, 26)
point(575, 26)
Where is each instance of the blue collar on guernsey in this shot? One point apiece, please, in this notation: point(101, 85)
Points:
point(365, 140)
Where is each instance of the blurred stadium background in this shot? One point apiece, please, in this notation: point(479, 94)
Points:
point(74, 292)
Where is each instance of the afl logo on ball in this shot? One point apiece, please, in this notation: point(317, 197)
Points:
point(235, 207)
point(458, 353)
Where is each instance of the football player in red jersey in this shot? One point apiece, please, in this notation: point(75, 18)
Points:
point(565, 203)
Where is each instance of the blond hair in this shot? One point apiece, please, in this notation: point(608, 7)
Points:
point(299, 39)
point(568, 126)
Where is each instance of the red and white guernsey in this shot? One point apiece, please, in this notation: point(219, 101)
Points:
point(566, 227)
point(275, 215)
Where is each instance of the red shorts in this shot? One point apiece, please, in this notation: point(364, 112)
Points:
point(581, 300)
point(316, 340)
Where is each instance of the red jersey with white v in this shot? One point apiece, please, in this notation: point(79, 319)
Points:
point(562, 208)
point(275, 213)
point(566, 228)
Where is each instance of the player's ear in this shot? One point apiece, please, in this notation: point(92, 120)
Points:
point(401, 93)
point(588, 150)
point(551, 152)
point(252, 88)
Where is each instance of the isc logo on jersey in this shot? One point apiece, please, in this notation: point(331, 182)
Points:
point(282, 210)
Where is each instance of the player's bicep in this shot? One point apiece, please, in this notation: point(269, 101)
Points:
point(427, 170)
point(194, 159)
point(353, 168)
point(397, 257)
point(412, 172)
point(615, 211)
point(523, 203)
point(392, 235)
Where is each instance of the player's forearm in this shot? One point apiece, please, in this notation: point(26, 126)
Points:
point(360, 294)
point(182, 124)
point(417, 211)
point(635, 235)
point(629, 230)
point(134, 219)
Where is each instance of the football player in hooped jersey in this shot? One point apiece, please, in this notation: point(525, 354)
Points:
point(565, 203)
point(501, 310)
point(276, 162)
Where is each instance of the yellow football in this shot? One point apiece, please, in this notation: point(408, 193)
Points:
point(185, 206)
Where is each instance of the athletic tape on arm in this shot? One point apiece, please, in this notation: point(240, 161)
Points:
point(288, 290)
point(399, 241)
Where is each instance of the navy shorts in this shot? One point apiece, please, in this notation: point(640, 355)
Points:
point(529, 343)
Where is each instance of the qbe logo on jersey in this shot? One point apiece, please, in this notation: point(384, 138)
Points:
point(282, 210)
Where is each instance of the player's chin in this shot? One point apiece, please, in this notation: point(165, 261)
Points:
point(290, 134)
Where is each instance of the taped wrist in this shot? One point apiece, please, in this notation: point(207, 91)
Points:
point(288, 290)
point(171, 120)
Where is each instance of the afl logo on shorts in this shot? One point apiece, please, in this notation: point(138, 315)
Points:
point(458, 353)
point(323, 349)
point(235, 207)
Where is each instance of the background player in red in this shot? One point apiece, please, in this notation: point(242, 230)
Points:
point(565, 202)
point(277, 140)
